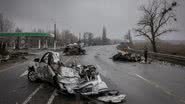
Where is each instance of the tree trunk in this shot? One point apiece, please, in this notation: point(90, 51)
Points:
point(17, 46)
point(154, 47)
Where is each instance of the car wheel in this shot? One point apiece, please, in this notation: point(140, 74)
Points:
point(32, 76)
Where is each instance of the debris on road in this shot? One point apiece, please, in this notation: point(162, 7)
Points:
point(19, 55)
point(127, 56)
point(4, 58)
point(13, 56)
point(74, 49)
point(4, 54)
point(112, 98)
point(74, 79)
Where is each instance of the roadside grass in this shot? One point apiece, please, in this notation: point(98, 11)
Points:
point(163, 47)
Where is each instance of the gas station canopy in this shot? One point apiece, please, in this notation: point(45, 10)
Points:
point(27, 34)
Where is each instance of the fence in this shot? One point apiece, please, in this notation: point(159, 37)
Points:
point(163, 57)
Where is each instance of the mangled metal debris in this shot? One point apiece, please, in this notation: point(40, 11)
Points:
point(127, 56)
point(4, 58)
point(76, 79)
point(112, 98)
point(13, 55)
point(74, 49)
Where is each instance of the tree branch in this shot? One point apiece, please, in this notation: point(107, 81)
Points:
point(165, 31)
point(141, 33)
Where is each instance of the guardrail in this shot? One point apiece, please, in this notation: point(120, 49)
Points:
point(163, 57)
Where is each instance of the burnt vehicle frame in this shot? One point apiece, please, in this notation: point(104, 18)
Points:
point(74, 49)
point(67, 79)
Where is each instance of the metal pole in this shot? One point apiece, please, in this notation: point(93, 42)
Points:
point(80, 37)
point(39, 44)
point(55, 42)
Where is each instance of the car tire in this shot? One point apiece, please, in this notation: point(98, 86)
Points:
point(32, 76)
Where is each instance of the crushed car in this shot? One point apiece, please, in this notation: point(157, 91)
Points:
point(73, 79)
point(127, 56)
point(74, 49)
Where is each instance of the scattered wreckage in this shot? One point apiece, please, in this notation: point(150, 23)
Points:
point(4, 55)
point(12, 56)
point(74, 49)
point(4, 58)
point(73, 79)
point(127, 56)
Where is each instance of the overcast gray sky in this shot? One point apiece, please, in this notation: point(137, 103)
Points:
point(118, 16)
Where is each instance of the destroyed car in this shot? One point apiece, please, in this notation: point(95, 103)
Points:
point(4, 58)
point(126, 56)
point(74, 49)
point(73, 79)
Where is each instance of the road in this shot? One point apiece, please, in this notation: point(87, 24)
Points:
point(155, 83)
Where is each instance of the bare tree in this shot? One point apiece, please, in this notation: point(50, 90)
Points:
point(66, 37)
point(85, 38)
point(5, 24)
point(155, 21)
point(88, 38)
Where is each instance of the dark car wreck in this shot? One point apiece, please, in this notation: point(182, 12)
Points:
point(126, 56)
point(73, 79)
point(74, 49)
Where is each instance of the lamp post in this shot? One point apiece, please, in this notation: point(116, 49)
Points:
point(55, 41)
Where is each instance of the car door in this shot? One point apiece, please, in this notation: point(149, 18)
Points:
point(43, 68)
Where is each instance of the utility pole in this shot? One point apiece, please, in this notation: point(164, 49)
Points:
point(55, 34)
point(79, 38)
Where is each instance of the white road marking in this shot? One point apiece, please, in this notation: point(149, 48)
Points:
point(32, 94)
point(23, 74)
point(165, 90)
point(52, 97)
point(182, 100)
point(103, 72)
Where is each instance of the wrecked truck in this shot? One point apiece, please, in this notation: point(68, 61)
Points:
point(73, 79)
point(126, 56)
point(74, 49)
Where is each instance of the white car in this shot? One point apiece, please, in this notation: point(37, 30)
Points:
point(75, 79)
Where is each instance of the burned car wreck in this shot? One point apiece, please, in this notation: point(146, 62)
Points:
point(74, 49)
point(73, 79)
point(127, 56)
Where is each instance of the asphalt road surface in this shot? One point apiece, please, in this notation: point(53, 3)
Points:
point(155, 83)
